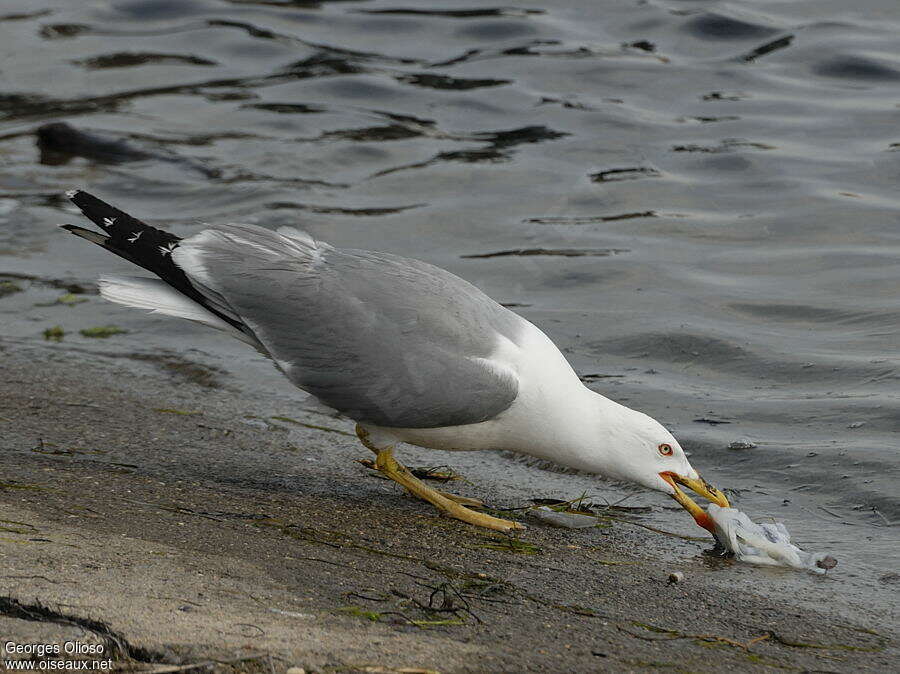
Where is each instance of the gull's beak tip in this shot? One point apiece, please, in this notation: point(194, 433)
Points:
point(701, 487)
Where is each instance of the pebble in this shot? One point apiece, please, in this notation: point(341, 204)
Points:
point(296, 670)
point(675, 577)
point(743, 443)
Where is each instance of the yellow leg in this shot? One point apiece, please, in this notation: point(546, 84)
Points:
point(462, 500)
point(447, 503)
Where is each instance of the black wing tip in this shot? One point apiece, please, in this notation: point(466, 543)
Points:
point(89, 234)
point(139, 243)
point(73, 228)
point(90, 205)
point(79, 195)
point(102, 214)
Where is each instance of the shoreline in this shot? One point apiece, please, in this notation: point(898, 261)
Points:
point(153, 504)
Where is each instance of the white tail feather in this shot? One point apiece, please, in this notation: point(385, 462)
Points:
point(161, 298)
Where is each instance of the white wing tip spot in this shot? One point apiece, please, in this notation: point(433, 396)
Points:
point(109, 222)
point(71, 193)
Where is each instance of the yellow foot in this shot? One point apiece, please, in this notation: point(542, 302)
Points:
point(449, 504)
point(462, 500)
point(478, 519)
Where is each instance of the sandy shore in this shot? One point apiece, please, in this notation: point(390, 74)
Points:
point(148, 504)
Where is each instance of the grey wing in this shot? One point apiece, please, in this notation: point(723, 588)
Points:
point(386, 340)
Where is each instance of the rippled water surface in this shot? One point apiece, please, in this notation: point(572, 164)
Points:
point(697, 200)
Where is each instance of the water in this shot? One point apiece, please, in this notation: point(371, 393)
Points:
point(696, 200)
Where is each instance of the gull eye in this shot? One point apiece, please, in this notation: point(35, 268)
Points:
point(665, 449)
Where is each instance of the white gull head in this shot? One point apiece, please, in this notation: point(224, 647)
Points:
point(635, 447)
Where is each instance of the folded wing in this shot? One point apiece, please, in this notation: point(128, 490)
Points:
point(386, 340)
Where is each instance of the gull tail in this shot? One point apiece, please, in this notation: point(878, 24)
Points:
point(151, 248)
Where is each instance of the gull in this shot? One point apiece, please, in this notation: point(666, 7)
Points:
point(409, 351)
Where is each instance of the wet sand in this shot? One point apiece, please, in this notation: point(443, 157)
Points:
point(154, 496)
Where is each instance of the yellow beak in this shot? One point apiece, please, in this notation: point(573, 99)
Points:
point(700, 486)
